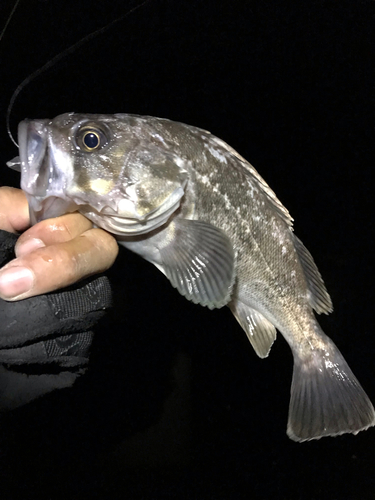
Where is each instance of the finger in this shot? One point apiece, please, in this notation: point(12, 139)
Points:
point(14, 210)
point(58, 265)
point(52, 231)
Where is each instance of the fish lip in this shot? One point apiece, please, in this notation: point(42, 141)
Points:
point(42, 179)
point(49, 207)
point(33, 138)
point(133, 226)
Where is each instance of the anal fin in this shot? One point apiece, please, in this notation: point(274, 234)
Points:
point(259, 330)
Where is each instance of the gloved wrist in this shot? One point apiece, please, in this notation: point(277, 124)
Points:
point(45, 340)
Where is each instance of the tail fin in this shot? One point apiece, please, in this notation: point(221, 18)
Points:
point(326, 398)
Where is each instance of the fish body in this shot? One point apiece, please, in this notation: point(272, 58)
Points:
point(190, 204)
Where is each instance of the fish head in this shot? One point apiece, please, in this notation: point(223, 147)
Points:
point(104, 166)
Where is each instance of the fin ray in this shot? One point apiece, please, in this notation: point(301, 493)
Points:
point(199, 261)
point(319, 298)
point(256, 179)
point(326, 398)
point(260, 332)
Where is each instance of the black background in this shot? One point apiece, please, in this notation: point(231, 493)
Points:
point(176, 404)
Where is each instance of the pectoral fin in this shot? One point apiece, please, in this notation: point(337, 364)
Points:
point(199, 261)
point(260, 332)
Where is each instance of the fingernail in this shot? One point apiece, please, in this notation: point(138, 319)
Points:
point(29, 246)
point(15, 281)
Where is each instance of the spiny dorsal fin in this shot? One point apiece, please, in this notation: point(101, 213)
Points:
point(260, 182)
point(319, 298)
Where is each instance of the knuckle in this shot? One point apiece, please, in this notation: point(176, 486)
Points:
point(61, 229)
point(6, 193)
point(104, 246)
point(40, 230)
point(64, 228)
point(56, 263)
point(105, 243)
point(14, 214)
point(3, 195)
point(58, 227)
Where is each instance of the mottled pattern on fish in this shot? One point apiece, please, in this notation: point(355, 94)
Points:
point(268, 267)
point(191, 205)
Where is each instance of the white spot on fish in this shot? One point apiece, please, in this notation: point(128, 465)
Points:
point(216, 154)
point(227, 202)
point(101, 186)
point(125, 208)
point(180, 162)
point(158, 136)
point(205, 180)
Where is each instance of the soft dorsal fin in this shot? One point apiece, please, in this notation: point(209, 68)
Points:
point(319, 298)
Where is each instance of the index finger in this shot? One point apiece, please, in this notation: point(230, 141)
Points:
point(14, 210)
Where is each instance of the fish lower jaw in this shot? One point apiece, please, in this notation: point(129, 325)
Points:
point(123, 226)
point(46, 208)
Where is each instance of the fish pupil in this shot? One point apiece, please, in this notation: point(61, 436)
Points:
point(91, 140)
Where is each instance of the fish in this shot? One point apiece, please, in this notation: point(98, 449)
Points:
point(191, 205)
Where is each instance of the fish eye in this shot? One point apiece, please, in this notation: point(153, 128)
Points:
point(90, 139)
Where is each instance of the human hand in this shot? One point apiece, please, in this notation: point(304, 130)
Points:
point(53, 254)
point(45, 339)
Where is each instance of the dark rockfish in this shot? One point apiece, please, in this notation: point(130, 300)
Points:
point(191, 205)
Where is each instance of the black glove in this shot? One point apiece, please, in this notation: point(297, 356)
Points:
point(45, 340)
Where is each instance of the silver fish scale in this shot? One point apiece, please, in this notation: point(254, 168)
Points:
point(270, 277)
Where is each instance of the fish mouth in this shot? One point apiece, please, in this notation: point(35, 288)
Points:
point(108, 219)
point(42, 179)
point(112, 222)
point(33, 138)
point(46, 208)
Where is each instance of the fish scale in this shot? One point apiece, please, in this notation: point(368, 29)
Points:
point(191, 205)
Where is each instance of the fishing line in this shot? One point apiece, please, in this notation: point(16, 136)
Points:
point(9, 18)
point(58, 58)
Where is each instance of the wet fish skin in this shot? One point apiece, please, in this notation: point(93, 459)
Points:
point(191, 205)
